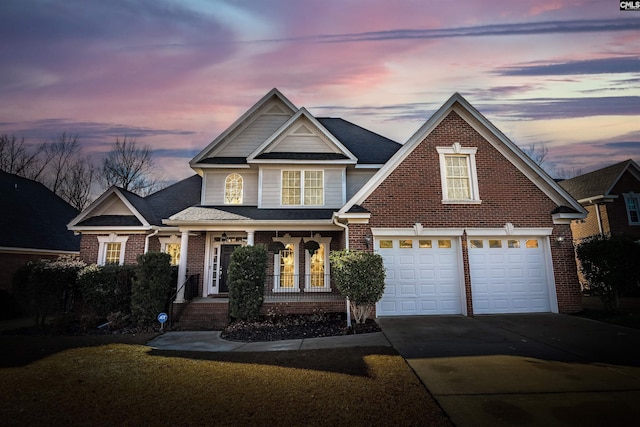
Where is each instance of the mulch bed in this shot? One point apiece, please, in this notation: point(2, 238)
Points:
point(296, 327)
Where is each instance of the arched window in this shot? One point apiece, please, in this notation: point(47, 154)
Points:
point(233, 189)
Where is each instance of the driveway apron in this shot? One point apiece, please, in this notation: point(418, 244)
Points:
point(530, 369)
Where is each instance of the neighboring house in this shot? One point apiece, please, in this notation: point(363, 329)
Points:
point(465, 221)
point(34, 221)
point(611, 196)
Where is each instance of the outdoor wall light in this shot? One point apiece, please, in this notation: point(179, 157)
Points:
point(560, 239)
point(367, 240)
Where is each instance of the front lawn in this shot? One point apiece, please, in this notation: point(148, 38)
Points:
point(128, 384)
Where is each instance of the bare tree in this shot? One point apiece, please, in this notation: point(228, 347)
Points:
point(19, 158)
point(63, 154)
point(76, 188)
point(130, 167)
point(537, 153)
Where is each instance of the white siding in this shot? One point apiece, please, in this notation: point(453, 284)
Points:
point(271, 181)
point(214, 187)
point(114, 206)
point(302, 144)
point(250, 138)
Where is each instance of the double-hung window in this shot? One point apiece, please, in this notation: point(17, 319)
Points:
point(111, 249)
point(632, 201)
point(171, 246)
point(302, 188)
point(458, 174)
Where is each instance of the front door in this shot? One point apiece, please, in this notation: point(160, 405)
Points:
point(225, 259)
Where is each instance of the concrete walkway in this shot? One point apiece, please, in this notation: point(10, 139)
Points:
point(211, 341)
point(505, 370)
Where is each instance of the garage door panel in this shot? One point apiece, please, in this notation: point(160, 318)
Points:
point(420, 280)
point(508, 276)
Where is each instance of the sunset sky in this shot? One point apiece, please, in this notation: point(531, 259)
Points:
point(174, 74)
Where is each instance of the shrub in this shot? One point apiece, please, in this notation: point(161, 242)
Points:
point(46, 287)
point(358, 276)
point(246, 282)
point(150, 287)
point(610, 265)
point(106, 289)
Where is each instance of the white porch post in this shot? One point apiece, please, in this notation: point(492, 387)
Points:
point(182, 268)
point(250, 237)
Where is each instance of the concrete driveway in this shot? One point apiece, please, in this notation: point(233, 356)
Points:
point(532, 369)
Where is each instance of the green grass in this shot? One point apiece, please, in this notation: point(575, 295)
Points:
point(127, 384)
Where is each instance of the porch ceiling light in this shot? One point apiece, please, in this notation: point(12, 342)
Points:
point(223, 237)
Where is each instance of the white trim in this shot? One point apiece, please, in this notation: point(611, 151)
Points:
point(326, 241)
point(636, 197)
point(302, 187)
point(469, 153)
point(224, 196)
point(505, 231)
point(73, 224)
point(287, 240)
point(111, 238)
point(35, 251)
point(416, 231)
point(174, 239)
point(282, 132)
point(239, 122)
point(496, 138)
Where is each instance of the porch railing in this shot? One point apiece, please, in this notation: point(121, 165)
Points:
point(299, 287)
point(190, 286)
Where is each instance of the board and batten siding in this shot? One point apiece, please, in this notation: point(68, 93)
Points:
point(333, 186)
point(214, 187)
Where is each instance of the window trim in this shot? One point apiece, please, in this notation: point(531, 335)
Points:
point(303, 172)
point(470, 153)
point(287, 240)
point(326, 241)
point(166, 241)
point(241, 185)
point(636, 197)
point(102, 247)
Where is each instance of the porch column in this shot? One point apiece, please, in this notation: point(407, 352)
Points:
point(182, 268)
point(250, 237)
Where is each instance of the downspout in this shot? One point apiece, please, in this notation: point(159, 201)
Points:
point(346, 239)
point(146, 240)
point(597, 206)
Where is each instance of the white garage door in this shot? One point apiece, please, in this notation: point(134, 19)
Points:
point(508, 275)
point(422, 276)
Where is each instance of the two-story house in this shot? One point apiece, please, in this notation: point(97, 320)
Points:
point(611, 196)
point(465, 221)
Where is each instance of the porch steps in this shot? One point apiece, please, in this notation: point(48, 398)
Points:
point(204, 315)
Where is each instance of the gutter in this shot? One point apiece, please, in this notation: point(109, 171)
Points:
point(334, 219)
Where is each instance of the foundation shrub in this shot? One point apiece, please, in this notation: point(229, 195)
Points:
point(150, 287)
point(106, 289)
point(358, 276)
point(246, 282)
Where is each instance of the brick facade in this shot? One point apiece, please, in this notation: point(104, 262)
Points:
point(412, 193)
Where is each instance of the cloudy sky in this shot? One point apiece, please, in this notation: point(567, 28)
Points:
point(173, 74)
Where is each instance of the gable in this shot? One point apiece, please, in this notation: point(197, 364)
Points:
point(113, 208)
point(412, 192)
point(302, 138)
point(468, 119)
point(249, 131)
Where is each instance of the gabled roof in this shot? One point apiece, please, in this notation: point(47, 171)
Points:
point(143, 212)
point(337, 150)
point(492, 134)
point(273, 93)
point(33, 217)
point(367, 146)
point(599, 183)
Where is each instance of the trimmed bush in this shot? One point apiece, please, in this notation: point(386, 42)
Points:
point(150, 287)
point(246, 282)
point(47, 287)
point(610, 265)
point(358, 276)
point(106, 289)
